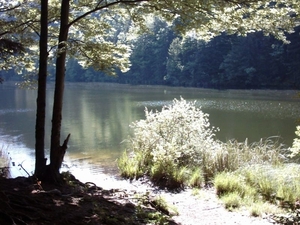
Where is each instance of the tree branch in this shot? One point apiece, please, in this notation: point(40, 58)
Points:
point(7, 9)
point(107, 5)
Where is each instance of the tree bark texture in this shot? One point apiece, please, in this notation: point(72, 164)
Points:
point(56, 151)
point(40, 161)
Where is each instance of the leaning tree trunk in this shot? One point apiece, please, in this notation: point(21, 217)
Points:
point(40, 161)
point(57, 151)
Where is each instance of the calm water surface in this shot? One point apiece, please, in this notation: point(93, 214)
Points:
point(98, 116)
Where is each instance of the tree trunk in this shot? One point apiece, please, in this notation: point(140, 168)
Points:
point(40, 161)
point(57, 152)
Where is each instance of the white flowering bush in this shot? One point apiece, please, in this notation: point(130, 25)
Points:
point(169, 145)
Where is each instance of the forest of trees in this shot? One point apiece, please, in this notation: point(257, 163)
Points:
point(161, 57)
point(227, 61)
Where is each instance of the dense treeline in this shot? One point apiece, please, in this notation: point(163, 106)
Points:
point(161, 57)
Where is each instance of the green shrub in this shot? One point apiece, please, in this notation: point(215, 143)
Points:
point(172, 142)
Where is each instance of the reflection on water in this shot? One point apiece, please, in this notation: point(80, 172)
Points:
point(98, 117)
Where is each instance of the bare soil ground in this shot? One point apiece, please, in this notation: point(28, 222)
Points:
point(23, 201)
point(206, 209)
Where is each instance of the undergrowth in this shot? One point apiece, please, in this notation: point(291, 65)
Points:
point(262, 189)
point(177, 148)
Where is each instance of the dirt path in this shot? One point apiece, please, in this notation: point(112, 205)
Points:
point(204, 208)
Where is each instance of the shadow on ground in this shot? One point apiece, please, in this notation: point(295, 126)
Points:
point(23, 201)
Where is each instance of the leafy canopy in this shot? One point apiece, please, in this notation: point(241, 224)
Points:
point(100, 32)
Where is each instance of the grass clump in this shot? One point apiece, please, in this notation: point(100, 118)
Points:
point(231, 200)
point(260, 208)
point(226, 183)
point(197, 178)
point(129, 167)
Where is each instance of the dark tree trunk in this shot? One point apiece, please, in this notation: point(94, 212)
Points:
point(57, 151)
point(40, 161)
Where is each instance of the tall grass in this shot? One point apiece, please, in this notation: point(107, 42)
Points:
point(257, 185)
point(233, 155)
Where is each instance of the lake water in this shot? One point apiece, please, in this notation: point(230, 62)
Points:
point(98, 116)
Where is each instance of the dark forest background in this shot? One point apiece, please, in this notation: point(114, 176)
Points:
point(161, 57)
